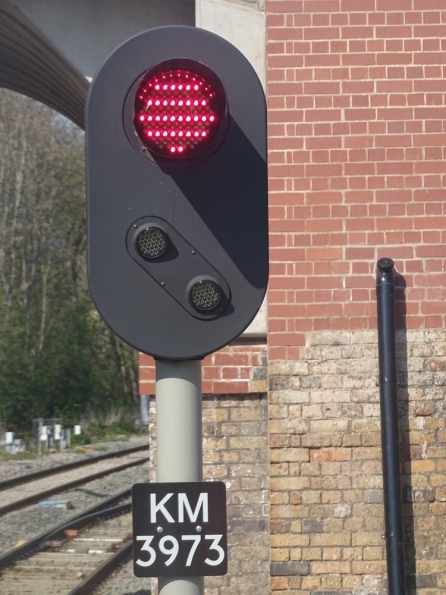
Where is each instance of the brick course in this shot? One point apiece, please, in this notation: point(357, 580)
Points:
point(235, 450)
point(356, 98)
point(237, 369)
point(325, 464)
point(356, 109)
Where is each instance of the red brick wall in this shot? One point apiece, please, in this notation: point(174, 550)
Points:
point(237, 369)
point(356, 96)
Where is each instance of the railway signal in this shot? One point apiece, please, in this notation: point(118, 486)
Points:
point(177, 257)
point(177, 192)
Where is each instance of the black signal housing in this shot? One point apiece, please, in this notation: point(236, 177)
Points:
point(177, 231)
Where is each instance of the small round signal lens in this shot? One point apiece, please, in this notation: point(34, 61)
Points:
point(152, 242)
point(205, 295)
point(178, 111)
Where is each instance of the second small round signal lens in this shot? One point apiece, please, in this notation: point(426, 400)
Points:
point(205, 294)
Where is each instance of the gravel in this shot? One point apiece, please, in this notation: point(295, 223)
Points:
point(13, 468)
point(29, 522)
point(124, 582)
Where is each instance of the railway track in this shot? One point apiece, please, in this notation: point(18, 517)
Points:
point(71, 558)
point(21, 491)
point(27, 477)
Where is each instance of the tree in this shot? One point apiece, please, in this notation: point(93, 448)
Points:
point(57, 357)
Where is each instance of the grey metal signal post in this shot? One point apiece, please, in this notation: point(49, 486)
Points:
point(179, 439)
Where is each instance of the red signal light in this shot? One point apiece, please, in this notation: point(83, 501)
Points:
point(178, 111)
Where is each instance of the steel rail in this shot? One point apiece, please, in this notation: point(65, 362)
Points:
point(66, 486)
point(78, 521)
point(19, 479)
point(102, 571)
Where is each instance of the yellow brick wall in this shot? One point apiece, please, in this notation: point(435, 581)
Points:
point(327, 514)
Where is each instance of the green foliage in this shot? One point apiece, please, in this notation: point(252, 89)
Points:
point(20, 456)
point(102, 433)
point(57, 357)
point(114, 424)
point(80, 440)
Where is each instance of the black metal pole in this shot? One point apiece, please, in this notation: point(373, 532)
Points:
point(388, 384)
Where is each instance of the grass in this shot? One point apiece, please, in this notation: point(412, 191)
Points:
point(20, 456)
point(112, 426)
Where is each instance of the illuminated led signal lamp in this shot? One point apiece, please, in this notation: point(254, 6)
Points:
point(177, 111)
